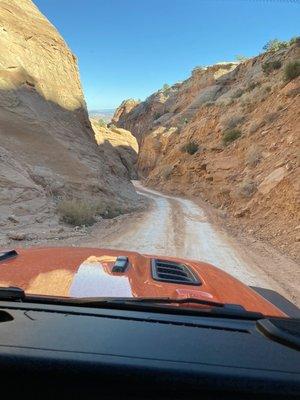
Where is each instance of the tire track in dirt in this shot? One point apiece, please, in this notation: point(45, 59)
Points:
point(178, 225)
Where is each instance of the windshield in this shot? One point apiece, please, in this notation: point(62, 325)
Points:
point(149, 149)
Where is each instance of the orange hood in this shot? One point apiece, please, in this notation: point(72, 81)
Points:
point(87, 272)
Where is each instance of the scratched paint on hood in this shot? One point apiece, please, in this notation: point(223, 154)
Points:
point(95, 279)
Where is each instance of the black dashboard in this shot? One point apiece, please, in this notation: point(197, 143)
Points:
point(112, 353)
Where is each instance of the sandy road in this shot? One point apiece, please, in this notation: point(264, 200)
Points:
point(176, 226)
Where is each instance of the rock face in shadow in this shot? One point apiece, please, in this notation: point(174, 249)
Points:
point(47, 145)
point(229, 134)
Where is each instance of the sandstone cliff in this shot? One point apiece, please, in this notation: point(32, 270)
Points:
point(229, 135)
point(120, 146)
point(47, 145)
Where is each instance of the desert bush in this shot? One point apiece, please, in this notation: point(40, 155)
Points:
point(267, 89)
point(275, 45)
point(165, 88)
point(190, 147)
point(292, 70)
point(247, 188)
point(230, 136)
point(167, 171)
point(255, 126)
point(233, 121)
point(157, 115)
point(252, 86)
point(107, 209)
point(238, 93)
point(112, 211)
point(271, 117)
point(102, 123)
point(253, 156)
point(262, 95)
point(83, 212)
point(270, 66)
point(229, 102)
point(99, 206)
point(208, 104)
point(76, 212)
point(184, 121)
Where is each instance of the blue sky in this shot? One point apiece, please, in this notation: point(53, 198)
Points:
point(130, 48)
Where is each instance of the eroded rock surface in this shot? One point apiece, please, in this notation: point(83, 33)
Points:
point(47, 145)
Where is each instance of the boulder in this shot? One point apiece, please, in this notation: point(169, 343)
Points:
point(272, 180)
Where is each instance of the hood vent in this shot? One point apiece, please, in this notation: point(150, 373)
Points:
point(172, 272)
point(6, 254)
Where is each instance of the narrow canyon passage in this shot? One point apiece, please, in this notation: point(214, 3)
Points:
point(175, 226)
point(184, 231)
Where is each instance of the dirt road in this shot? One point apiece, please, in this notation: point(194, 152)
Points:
point(178, 227)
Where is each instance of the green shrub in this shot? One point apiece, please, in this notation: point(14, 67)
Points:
point(190, 147)
point(292, 70)
point(275, 45)
point(102, 123)
point(166, 88)
point(230, 136)
point(270, 66)
point(76, 212)
point(184, 121)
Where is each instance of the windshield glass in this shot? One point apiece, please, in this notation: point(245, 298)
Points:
point(149, 149)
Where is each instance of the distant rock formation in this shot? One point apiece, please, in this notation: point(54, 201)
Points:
point(124, 110)
point(120, 146)
point(47, 145)
point(229, 134)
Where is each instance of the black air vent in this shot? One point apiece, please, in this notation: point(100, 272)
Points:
point(170, 271)
point(5, 316)
point(6, 254)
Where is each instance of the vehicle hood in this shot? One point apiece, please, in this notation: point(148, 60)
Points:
point(87, 272)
